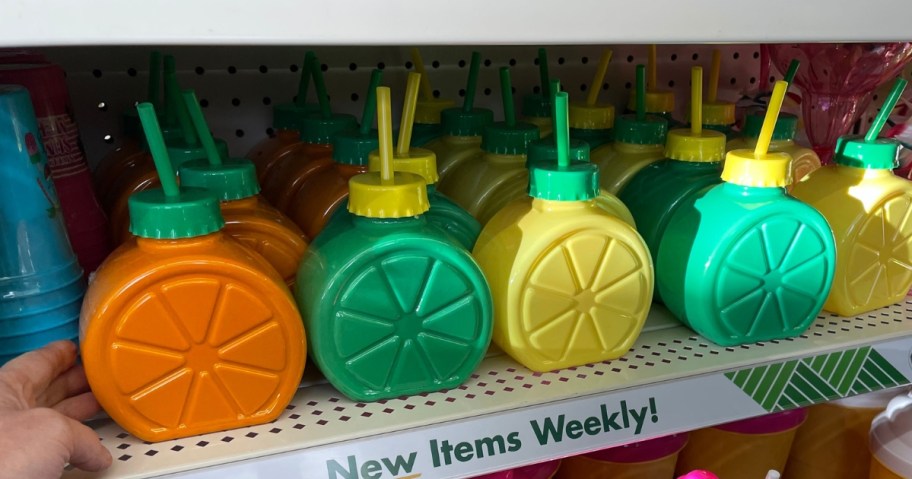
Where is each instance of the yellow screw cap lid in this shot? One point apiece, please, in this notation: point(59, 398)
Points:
point(405, 196)
point(684, 145)
point(657, 101)
point(591, 117)
point(419, 161)
point(743, 168)
point(718, 113)
point(427, 111)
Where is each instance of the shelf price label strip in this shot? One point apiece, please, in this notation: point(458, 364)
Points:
point(481, 444)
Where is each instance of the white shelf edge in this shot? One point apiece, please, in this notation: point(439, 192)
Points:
point(438, 22)
point(683, 373)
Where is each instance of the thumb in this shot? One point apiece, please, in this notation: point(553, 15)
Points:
point(86, 451)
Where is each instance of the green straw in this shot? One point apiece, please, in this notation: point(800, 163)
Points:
point(641, 92)
point(322, 96)
point(157, 147)
point(543, 69)
point(202, 128)
point(562, 129)
point(154, 92)
point(370, 103)
point(170, 116)
point(885, 110)
point(177, 105)
point(554, 88)
point(304, 81)
point(472, 84)
point(790, 73)
point(506, 91)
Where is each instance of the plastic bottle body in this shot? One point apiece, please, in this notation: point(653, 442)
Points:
point(572, 283)
point(189, 336)
point(264, 229)
point(452, 151)
point(392, 307)
point(486, 182)
point(290, 172)
point(804, 160)
point(654, 194)
point(270, 151)
point(319, 195)
point(113, 165)
point(744, 264)
point(424, 133)
point(866, 208)
point(619, 162)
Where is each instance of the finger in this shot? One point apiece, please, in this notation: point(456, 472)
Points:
point(81, 408)
point(69, 384)
point(86, 451)
point(34, 370)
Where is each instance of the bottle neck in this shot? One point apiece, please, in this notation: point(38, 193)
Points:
point(506, 159)
point(202, 242)
point(632, 148)
point(386, 225)
point(695, 165)
point(240, 204)
point(864, 173)
point(753, 191)
point(462, 140)
point(549, 206)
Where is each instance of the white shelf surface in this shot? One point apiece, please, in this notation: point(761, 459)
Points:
point(438, 22)
point(675, 380)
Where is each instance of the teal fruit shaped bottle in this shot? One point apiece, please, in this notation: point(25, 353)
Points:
point(397, 306)
point(488, 181)
point(443, 212)
point(868, 208)
point(693, 162)
point(742, 261)
point(572, 283)
point(638, 143)
point(461, 138)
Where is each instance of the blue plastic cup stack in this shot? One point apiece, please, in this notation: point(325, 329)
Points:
point(41, 282)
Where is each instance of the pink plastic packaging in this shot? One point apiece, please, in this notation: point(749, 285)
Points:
point(85, 221)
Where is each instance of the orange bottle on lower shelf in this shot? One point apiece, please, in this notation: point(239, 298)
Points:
point(184, 331)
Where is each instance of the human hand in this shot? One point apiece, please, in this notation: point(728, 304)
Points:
point(43, 398)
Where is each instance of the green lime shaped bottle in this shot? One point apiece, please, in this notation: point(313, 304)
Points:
point(743, 261)
point(396, 306)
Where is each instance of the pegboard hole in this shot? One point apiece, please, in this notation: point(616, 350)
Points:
point(381, 66)
point(462, 63)
point(733, 80)
point(96, 73)
point(352, 66)
point(239, 133)
point(270, 132)
point(354, 97)
point(462, 92)
point(232, 69)
point(102, 106)
point(736, 55)
point(293, 68)
point(264, 69)
point(671, 83)
point(582, 87)
point(204, 103)
point(535, 62)
point(674, 57)
point(629, 58)
point(408, 65)
point(512, 62)
point(108, 139)
point(605, 87)
point(199, 70)
point(436, 93)
point(561, 60)
point(487, 92)
point(584, 60)
point(627, 85)
point(267, 101)
point(695, 57)
point(131, 71)
point(753, 80)
point(435, 64)
point(236, 102)
point(536, 89)
point(756, 55)
point(487, 62)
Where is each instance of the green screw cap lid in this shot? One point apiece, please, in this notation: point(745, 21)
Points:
point(180, 152)
point(234, 179)
point(652, 130)
point(545, 150)
point(576, 182)
point(351, 147)
point(502, 139)
point(854, 151)
point(458, 122)
point(786, 126)
point(319, 130)
point(290, 116)
point(194, 212)
point(536, 105)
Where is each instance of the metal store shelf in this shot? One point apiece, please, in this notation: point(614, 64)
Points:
point(404, 22)
point(671, 381)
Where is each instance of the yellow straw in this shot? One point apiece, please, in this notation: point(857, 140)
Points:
point(426, 92)
point(714, 76)
point(651, 74)
point(385, 134)
point(769, 121)
point(696, 100)
point(408, 114)
point(596, 86)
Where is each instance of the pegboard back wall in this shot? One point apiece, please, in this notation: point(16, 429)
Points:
point(239, 85)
